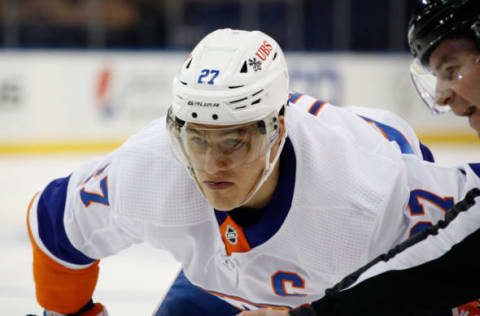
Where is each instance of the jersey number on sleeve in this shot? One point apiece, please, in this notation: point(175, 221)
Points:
point(416, 207)
point(92, 197)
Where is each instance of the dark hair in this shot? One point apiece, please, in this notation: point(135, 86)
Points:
point(463, 33)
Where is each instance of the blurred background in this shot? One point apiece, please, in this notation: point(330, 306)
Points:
point(77, 77)
point(326, 25)
point(85, 74)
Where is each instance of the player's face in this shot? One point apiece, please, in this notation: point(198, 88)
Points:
point(212, 148)
point(456, 65)
point(227, 188)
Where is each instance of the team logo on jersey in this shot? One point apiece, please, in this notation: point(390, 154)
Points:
point(231, 235)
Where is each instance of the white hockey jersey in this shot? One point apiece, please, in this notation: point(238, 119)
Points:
point(354, 195)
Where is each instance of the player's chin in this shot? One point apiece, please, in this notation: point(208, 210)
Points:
point(474, 121)
point(222, 201)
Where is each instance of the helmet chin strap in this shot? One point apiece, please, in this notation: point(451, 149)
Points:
point(269, 166)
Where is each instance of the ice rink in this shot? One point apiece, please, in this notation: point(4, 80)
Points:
point(131, 283)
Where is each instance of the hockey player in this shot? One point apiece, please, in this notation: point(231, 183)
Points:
point(270, 200)
point(444, 37)
point(435, 270)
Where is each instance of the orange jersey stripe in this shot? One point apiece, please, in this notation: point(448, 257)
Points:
point(58, 288)
point(236, 240)
point(377, 128)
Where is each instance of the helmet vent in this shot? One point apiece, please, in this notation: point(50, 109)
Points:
point(235, 87)
point(183, 82)
point(244, 69)
point(240, 107)
point(275, 56)
point(188, 65)
point(261, 127)
point(260, 91)
point(239, 100)
point(256, 101)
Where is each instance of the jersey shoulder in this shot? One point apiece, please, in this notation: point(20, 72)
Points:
point(385, 123)
point(151, 184)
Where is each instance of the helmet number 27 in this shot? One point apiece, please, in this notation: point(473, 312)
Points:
point(208, 74)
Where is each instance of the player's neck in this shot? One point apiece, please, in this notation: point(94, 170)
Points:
point(263, 196)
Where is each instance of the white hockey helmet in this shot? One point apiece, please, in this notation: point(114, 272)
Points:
point(234, 82)
point(226, 100)
point(231, 77)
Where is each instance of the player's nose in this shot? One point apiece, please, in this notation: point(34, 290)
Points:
point(215, 161)
point(444, 96)
point(448, 97)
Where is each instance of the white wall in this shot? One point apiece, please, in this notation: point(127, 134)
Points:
point(83, 97)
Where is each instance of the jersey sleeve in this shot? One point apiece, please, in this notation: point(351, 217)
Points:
point(395, 129)
point(434, 270)
point(391, 126)
point(72, 224)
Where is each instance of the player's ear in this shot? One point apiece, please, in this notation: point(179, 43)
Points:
point(281, 126)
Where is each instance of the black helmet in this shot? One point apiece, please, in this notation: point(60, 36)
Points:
point(434, 20)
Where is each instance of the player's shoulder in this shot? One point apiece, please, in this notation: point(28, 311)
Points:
point(138, 170)
point(142, 152)
point(149, 180)
point(311, 106)
point(358, 123)
point(146, 150)
point(153, 134)
point(381, 115)
point(315, 113)
point(306, 103)
point(320, 107)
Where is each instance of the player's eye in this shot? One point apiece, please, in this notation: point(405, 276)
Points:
point(230, 145)
point(231, 142)
point(197, 140)
point(450, 73)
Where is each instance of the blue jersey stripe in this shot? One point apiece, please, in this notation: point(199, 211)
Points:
point(293, 97)
point(185, 298)
point(50, 211)
point(276, 211)
point(316, 107)
point(426, 153)
point(393, 135)
point(476, 168)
